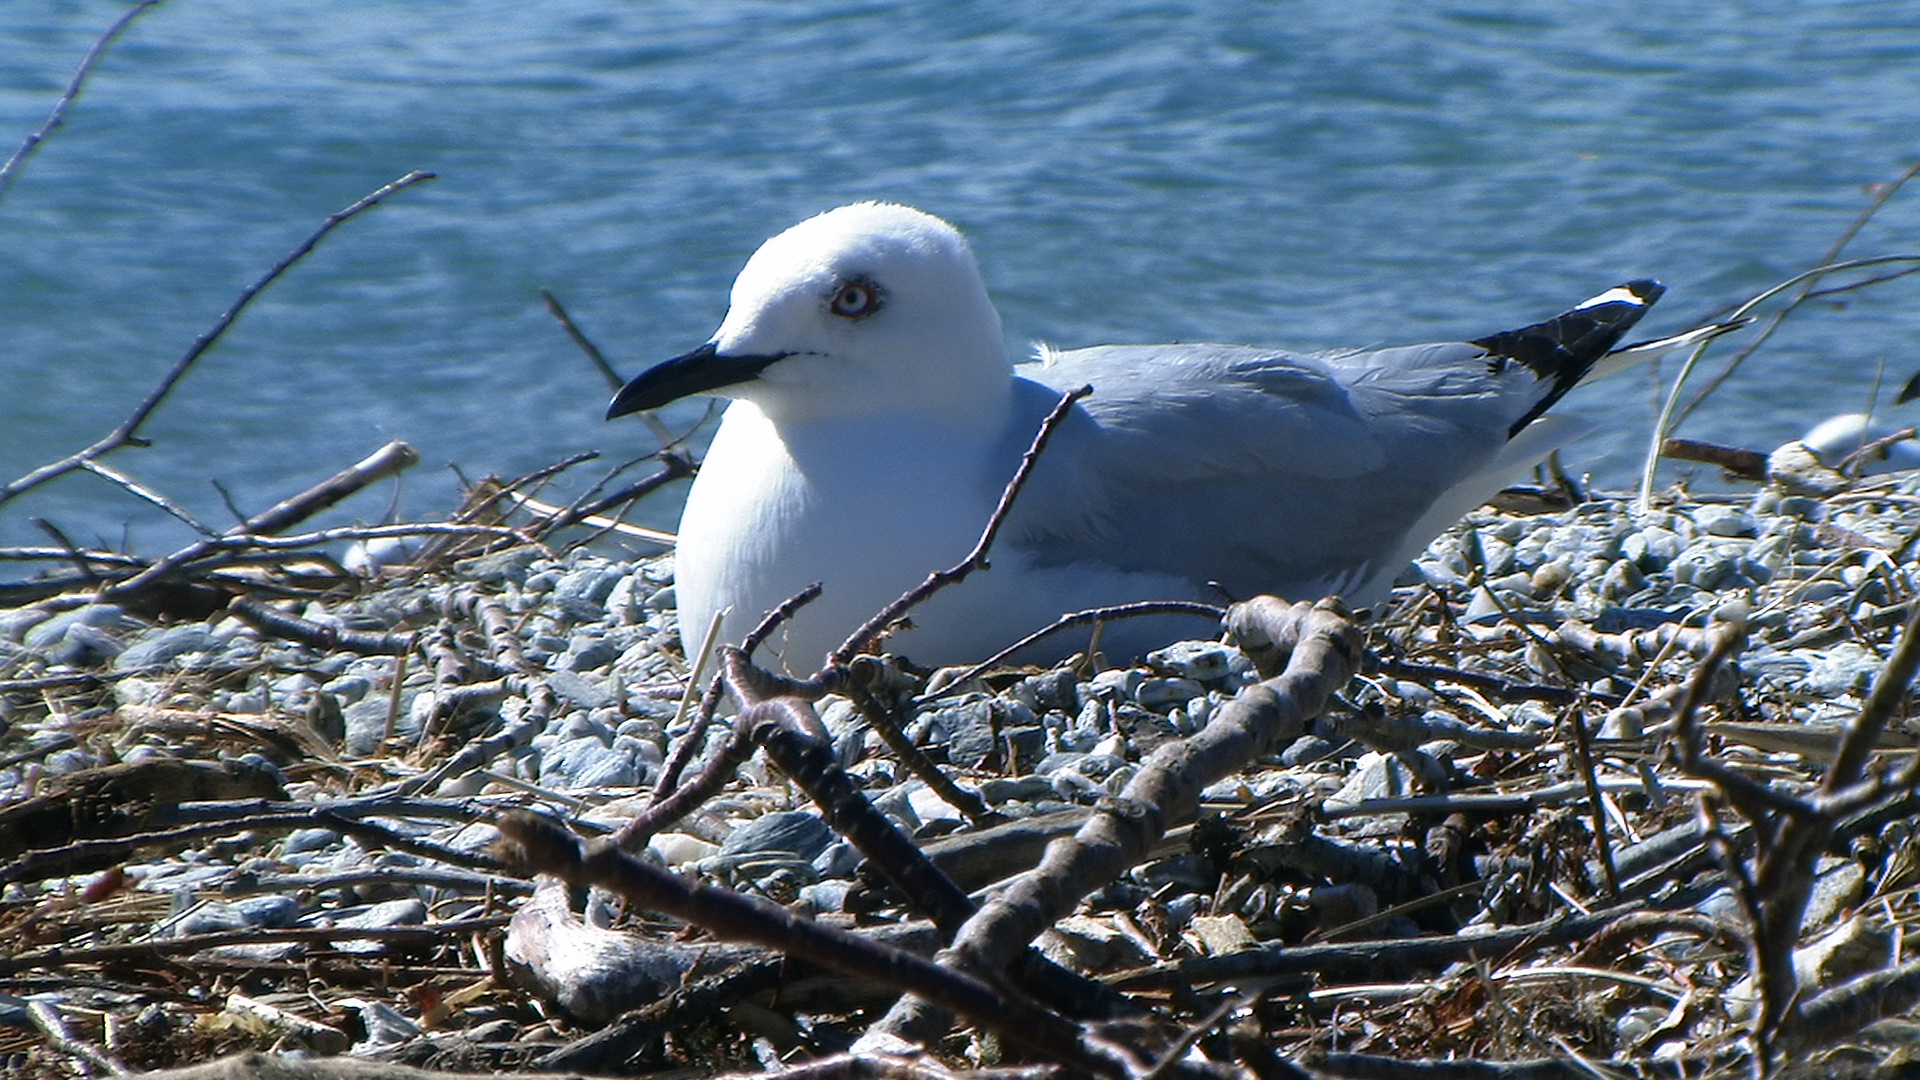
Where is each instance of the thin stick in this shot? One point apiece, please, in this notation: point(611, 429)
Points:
point(1583, 744)
point(976, 559)
point(673, 467)
point(65, 955)
point(141, 491)
point(128, 430)
point(696, 736)
point(1669, 410)
point(1143, 609)
point(50, 1023)
point(1808, 292)
point(599, 359)
point(1889, 692)
point(1873, 450)
point(11, 170)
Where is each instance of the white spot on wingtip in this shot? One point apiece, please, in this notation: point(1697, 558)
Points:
point(1619, 294)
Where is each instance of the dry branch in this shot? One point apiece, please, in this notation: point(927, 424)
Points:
point(382, 463)
point(10, 171)
point(127, 433)
point(1323, 650)
point(865, 637)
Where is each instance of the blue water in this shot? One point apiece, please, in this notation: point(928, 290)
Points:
point(1310, 174)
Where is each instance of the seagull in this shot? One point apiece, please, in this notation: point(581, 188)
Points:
point(876, 417)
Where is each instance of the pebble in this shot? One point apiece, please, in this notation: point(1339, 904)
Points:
point(1199, 661)
point(792, 831)
point(164, 645)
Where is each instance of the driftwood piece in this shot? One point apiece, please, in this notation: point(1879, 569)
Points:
point(1739, 462)
point(1322, 650)
point(796, 985)
point(592, 973)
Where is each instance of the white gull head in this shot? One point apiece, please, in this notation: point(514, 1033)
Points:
point(869, 308)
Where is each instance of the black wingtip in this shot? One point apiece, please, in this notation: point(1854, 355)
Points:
point(1563, 349)
point(1909, 391)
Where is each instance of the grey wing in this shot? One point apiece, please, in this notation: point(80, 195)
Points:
point(1258, 469)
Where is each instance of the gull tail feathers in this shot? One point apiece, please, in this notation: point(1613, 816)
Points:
point(1561, 350)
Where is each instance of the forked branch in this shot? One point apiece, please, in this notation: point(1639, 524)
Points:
point(128, 431)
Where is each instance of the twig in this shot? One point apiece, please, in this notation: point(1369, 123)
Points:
point(1886, 191)
point(885, 724)
point(1142, 610)
point(1793, 832)
point(864, 638)
point(1888, 694)
point(695, 736)
point(1596, 802)
point(171, 825)
point(599, 361)
point(10, 171)
point(70, 551)
point(1669, 409)
point(292, 627)
point(1504, 689)
point(382, 463)
point(673, 467)
point(1381, 1067)
point(1275, 961)
point(785, 728)
point(65, 955)
point(447, 880)
point(141, 491)
point(1875, 450)
point(48, 1020)
point(1490, 802)
point(92, 555)
point(128, 430)
point(770, 622)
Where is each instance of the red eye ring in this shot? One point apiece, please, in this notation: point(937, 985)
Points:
point(855, 299)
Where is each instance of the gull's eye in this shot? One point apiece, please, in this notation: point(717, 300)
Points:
point(855, 299)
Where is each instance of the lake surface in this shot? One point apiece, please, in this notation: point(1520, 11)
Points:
point(1312, 175)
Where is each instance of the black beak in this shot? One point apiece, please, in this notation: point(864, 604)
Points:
point(697, 372)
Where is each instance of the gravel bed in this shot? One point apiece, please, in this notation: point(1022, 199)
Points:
point(1504, 633)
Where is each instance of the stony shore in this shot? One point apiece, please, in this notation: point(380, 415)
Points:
point(526, 677)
